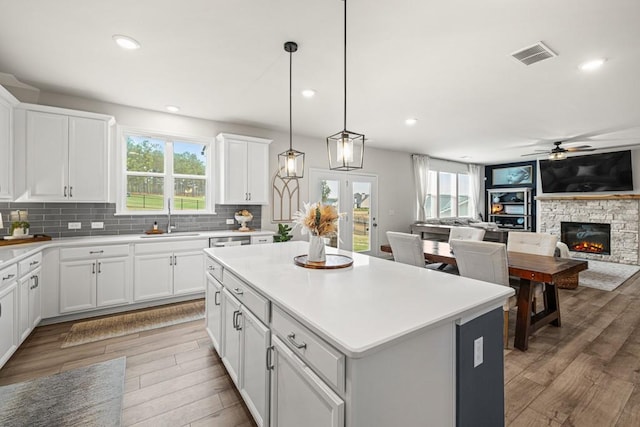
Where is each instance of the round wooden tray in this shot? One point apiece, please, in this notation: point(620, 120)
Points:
point(333, 261)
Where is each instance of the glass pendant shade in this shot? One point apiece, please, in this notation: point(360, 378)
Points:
point(346, 151)
point(558, 155)
point(291, 162)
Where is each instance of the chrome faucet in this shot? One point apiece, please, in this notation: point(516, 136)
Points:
point(169, 226)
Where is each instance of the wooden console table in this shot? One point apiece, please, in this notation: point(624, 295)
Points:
point(440, 232)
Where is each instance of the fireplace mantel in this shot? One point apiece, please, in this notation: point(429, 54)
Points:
point(592, 197)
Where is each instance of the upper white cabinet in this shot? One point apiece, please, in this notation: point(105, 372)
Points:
point(65, 154)
point(243, 169)
point(7, 103)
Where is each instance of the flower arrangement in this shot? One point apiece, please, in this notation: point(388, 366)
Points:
point(317, 219)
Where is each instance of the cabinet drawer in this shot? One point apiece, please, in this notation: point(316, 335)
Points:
point(258, 240)
point(170, 246)
point(8, 275)
point(31, 263)
point(93, 252)
point(255, 302)
point(326, 360)
point(213, 268)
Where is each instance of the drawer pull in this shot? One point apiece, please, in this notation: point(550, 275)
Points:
point(8, 276)
point(32, 263)
point(96, 252)
point(216, 301)
point(292, 339)
point(212, 268)
point(238, 291)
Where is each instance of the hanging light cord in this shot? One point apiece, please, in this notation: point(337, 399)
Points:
point(345, 65)
point(290, 102)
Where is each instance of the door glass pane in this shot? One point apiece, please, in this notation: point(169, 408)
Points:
point(189, 159)
point(145, 193)
point(330, 195)
point(361, 216)
point(464, 196)
point(189, 194)
point(447, 191)
point(145, 154)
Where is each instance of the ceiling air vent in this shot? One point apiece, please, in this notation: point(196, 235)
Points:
point(532, 54)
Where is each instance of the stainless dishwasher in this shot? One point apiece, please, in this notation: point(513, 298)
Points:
point(216, 242)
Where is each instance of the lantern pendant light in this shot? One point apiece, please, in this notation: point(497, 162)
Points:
point(345, 148)
point(291, 162)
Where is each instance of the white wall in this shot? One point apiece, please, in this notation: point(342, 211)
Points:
point(394, 169)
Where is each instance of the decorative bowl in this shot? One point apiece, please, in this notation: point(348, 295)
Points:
point(243, 219)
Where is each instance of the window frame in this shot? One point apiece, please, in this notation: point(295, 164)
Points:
point(435, 198)
point(169, 176)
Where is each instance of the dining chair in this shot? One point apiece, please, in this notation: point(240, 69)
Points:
point(406, 248)
point(466, 233)
point(486, 261)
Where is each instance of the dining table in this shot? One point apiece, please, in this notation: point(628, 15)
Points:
point(528, 268)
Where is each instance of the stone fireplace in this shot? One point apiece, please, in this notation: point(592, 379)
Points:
point(619, 213)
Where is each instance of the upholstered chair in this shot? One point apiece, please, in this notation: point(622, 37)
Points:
point(406, 248)
point(466, 233)
point(486, 261)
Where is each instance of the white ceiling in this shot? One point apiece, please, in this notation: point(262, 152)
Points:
point(446, 63)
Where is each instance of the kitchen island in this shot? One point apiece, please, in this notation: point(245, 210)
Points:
point(376, 344)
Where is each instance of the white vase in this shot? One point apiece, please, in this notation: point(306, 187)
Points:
point(316, 249)
point(19, 232)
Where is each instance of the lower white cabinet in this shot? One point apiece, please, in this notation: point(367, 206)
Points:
point(188, 268)
point(29, 312)
point(8, 318)
point(298, 396)
point(231, 335)
point(89, 284)
point(153, 276)
point(214, 312)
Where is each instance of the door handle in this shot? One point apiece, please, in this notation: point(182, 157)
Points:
point(99, 267)
point(269, 358)
point(216, 301)
point(65, 191)
point(175, 260)
point(235, 319)
point(93, 268)
point(170, 259)
point(70, 191)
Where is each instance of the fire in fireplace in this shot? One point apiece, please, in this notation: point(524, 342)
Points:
point(594, 238)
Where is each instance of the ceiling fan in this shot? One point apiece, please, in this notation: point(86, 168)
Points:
point(560, 153)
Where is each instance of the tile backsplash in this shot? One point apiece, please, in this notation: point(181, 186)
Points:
point(52, 219)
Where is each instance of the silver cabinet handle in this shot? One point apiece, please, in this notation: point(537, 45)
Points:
point(8, 276)
point(211, 268)
point(239, 328)
point(292, 339)
point(37, 281)
point(238, 291)
point(216, 301)
point(32, 263)
point(0, 309)
point(236, 320)
point(70, 191)
point(175, 260)
point(170, 259)
point(65, 191)
point(93, 268)
point(96, 252)
point(269, 358)
point(99, 267)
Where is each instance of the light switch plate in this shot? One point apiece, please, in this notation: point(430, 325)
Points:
point(75, 225)
point(478, 350)
point(230, 221)
point(97, 225)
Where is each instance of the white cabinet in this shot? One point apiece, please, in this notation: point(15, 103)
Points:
point(298, 396)
point(168, 268)
point(29, 295)
point(7, 102)
point(8, 313)
point(66, 156)
point(243, 169)
point(94, 276)
point(231, 335)
point(214, 312)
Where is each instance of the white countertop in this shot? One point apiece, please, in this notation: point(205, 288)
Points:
point(11, 253)
point(366, 306)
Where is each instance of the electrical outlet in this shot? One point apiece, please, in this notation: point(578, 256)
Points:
point(230, 221)
point(478, 352)
point(75, 225)
point(97, 225)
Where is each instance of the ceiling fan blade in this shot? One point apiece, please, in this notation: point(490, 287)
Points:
point(574, 149)
point(533, 154)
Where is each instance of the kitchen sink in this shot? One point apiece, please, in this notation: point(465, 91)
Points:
point(165, 235)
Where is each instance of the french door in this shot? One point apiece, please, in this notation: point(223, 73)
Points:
point(354, 195)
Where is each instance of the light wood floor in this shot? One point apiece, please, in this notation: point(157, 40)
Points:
point(586, 373)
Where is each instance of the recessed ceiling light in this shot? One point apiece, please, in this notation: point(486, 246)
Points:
point(308, 93)
point(126, 42)
point(592, 65)
point(172, 108)
point(411, 122)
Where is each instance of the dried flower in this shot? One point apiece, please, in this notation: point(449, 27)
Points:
point(317, 219)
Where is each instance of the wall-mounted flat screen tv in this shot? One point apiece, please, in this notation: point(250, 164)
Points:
point(596, 172)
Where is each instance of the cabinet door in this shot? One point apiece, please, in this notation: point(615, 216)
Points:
point(255, 375)
point(214, 312)
point(77, 285)
point(231, 335)
point(258, 173)
point(233, 181)
point(188, 272)
point(298, 396)
point(87, 159)
point(23, 308)
point(35, 303)
point(6, 157)
point(47, 151)
point(8, 323)
point(113, 282)
point(153, 276)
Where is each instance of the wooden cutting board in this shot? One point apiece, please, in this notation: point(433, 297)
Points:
point(35, 238)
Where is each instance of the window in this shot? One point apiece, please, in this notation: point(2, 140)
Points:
point(161, 168)
point(449, 195)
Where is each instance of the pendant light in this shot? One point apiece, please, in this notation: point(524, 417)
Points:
point(291, 162)
point(345, 148)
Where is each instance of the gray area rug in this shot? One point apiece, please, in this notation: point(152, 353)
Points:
point(89, 397)
point(606, 275)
